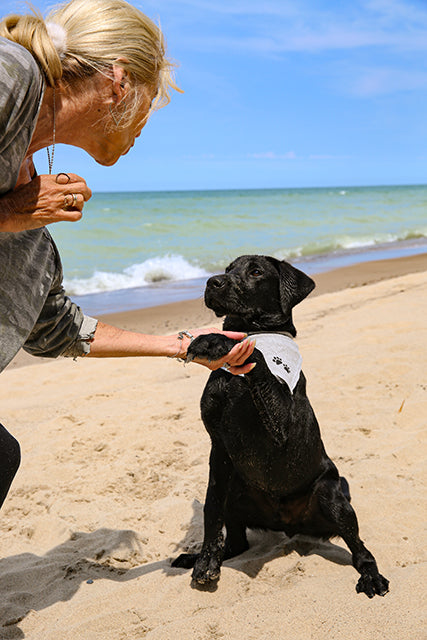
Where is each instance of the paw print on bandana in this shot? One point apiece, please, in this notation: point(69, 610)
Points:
point(279, 361)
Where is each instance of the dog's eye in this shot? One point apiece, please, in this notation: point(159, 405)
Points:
point(256, 273)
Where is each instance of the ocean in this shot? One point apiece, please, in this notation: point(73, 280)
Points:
point(140, 249)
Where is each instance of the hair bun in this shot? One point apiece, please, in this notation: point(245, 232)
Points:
point(58, 35)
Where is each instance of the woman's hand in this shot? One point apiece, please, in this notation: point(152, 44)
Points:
point(234, 359)
point(44, 200)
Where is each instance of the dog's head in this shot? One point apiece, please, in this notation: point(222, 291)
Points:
point(258, 293)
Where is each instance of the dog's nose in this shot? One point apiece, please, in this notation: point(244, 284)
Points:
point(216, 281)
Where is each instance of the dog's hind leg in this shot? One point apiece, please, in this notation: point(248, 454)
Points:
point(336, 508)
point(236, 541)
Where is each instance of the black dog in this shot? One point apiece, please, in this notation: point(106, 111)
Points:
point(268, 465)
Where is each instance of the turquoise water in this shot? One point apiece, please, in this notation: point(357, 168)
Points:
point(158, 243)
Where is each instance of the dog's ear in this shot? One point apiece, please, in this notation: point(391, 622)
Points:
point(295, 285)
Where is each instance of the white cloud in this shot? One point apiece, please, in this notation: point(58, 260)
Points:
point(404, 11)
point(361, 48)
point(291, 155)
point(332, 38)
point(280, 26)
point(380, 81)
point(271, 155)
point(326, 156)
point(283, 8)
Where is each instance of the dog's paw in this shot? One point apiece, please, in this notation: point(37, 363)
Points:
point(211, 346)
point(206, 569)
point(185, 561)
point(372, 584)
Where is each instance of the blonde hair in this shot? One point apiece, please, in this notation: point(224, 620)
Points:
point(96, 35)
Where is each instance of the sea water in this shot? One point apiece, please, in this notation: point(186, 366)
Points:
point(140, 249)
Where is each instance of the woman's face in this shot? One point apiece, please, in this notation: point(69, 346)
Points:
point(95, 121)
point(115, 139)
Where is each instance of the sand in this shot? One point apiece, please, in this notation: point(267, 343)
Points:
point(114, 472)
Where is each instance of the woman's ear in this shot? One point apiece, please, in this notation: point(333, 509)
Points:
point(120, 81)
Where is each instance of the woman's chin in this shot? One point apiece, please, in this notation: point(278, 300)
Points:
point(107, 158)
point(107, 162)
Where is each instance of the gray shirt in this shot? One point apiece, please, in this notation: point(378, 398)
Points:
point(35, 313)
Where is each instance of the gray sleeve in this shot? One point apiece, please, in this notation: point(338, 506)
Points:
point(62, 329)
point(21, 93)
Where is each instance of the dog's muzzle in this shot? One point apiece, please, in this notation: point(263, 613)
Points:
point(215, 292)
point(216, 282)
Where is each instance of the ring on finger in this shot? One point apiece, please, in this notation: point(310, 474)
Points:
point(63, 174)
point(67, 203)
point(74, 199)
point(226, 366)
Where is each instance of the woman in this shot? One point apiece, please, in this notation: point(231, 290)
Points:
point(89, 76)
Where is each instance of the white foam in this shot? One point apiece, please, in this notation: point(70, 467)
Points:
point(158, 269)
point(346, 242)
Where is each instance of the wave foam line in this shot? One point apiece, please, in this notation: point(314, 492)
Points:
point(177, 268)
point(159, 269)
point(350, 243)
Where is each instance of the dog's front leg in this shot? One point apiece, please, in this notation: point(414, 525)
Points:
point(208, 564)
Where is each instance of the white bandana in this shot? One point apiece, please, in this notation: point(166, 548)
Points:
point(281, 355)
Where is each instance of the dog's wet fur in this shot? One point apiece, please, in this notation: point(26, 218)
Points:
point(268, 466)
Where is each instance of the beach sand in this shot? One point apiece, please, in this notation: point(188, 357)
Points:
point(115, 466)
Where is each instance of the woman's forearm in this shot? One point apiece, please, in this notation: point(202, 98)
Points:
point(112, 342)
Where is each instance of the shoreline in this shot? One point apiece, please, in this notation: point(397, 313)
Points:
point(160, 293)
point(191, 313)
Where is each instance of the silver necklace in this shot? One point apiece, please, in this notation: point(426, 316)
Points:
point(50, 156)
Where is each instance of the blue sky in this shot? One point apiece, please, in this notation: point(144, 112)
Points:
point(279, 93)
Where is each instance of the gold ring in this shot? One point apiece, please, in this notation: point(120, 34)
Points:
point(66, 203)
